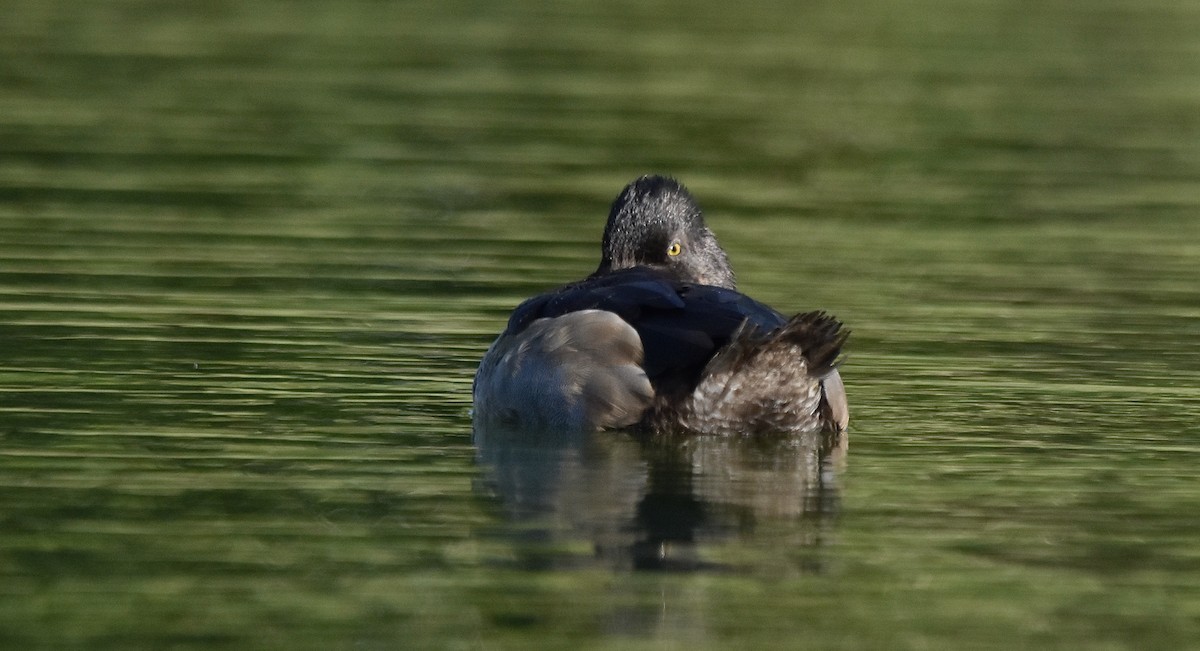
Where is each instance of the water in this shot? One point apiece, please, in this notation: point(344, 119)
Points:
point(250, 255)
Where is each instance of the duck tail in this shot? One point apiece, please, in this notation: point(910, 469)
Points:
point(819, 336)
point(755, 384)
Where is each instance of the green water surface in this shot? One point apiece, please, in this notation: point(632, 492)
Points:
point(250, 254)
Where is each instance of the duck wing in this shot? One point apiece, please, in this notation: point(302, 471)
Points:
point(681, 325)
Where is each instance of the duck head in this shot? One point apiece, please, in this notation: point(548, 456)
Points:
point(655, 222)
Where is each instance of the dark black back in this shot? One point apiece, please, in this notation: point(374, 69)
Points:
point(682, 325)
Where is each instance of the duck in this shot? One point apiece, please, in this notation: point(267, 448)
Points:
point(659, 339)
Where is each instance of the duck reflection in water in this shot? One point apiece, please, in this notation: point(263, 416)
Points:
point(659, 341)
point(656, 502)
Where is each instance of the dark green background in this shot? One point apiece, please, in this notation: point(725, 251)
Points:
point(250, 253)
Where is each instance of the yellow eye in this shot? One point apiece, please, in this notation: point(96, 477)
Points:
point(674, 249)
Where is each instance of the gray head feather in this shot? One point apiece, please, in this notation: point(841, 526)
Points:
point(655, 222)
